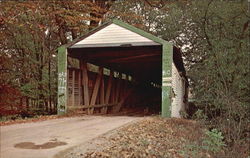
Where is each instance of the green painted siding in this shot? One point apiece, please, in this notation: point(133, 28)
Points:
point(62, 80)
point(167, 57)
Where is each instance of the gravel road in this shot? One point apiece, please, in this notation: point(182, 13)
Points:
point(47, 138)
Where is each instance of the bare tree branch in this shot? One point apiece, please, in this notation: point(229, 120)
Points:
point(204, 24)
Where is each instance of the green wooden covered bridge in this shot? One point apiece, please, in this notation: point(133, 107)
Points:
point(118, 65)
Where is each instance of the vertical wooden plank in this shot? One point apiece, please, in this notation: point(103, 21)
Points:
point(81, 83)
point(98, 96)
point(85, 83)
point(102, 94)
point(122, 88)
point(126, 85)
point(108, 91)
point(118, 86)
point(79, 88)
point(73, 88)
point(96, 88)
point(113, 89)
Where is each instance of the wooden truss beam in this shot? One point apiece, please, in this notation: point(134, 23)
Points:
point(121, 102)
point(85, 82)
point(97, 86)
point(96, 89)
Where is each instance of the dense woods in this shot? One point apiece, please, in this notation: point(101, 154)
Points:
point(213, 35)
point(31, 31)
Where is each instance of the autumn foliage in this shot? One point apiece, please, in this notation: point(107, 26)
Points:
point(30, 33)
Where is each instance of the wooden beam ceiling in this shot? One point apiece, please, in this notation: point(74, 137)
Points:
point(132, 58)
point(142, 62)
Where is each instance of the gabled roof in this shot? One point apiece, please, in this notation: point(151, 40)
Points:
point(125, 33)
point(114, 35)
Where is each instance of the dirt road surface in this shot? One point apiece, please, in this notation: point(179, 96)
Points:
point(47, 138)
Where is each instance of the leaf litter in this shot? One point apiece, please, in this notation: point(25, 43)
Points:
point(152, 137)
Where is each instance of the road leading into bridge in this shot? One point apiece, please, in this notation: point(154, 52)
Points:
point(47, 138)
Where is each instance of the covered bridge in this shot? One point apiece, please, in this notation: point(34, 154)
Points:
point(117, 65)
